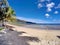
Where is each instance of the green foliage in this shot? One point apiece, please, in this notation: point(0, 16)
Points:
point(10, 14)
point(1, 28)
point(7, 14)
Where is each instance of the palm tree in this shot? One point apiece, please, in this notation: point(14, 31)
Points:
point(6, 12)
point(10, 14)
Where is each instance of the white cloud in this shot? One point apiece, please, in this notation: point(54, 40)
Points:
point(56, 12)
point(49, 9)
point(58, 6)
point(40, 5)
point(49, 6)
point(47, 15)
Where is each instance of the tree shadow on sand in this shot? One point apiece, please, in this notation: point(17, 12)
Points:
point(58, 37)
point(31, 38)
point(12, 38)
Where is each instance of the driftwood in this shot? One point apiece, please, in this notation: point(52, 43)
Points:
point(9, 27)
point(58, 37)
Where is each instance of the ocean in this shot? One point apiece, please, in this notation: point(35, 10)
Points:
point(44, 26)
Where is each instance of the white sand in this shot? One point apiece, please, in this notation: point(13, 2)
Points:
point(46, 36)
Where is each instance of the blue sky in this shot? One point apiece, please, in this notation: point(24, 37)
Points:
point(39, 11)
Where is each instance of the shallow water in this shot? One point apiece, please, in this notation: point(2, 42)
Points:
point(49, 27)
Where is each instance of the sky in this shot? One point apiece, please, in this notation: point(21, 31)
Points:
point(39, 11)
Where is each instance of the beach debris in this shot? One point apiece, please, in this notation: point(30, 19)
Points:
point(21, 32)
point(58, 37)
point(11, 29)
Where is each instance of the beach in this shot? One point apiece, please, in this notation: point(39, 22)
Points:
point(42, 36)
point(30, 22)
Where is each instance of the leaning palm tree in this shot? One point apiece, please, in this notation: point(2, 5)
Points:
point(7, 14)
point(10, 14)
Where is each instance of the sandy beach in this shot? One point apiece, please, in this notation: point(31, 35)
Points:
point(46, 37)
